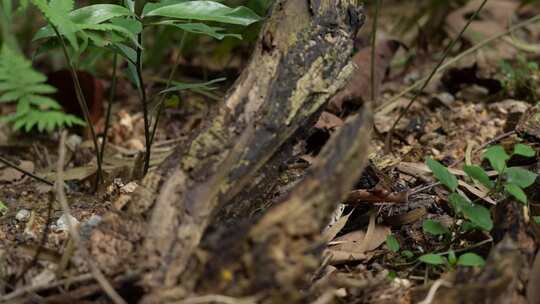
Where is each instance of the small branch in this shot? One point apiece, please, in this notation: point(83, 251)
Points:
point(13, 166)
point(82, 103)
point(35, 288)
point(447, 51)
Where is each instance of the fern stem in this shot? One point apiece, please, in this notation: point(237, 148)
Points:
point(82, 104)
point(109, 106)
point(428, 79)
point(167, 85)
point(144, 104)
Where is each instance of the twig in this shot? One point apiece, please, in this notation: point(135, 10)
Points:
point(433, 290)
point(109, 106)
point(61, 196)
point(456, 59)
point(13, 166)
point(39, 287)
point(82, 103)
point(388, 141)
point(217, 299)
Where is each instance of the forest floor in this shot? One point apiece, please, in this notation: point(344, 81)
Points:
point(486, 98)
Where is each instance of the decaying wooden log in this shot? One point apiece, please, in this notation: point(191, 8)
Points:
point(301, 60)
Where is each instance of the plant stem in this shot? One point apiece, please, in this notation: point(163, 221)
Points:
point(109, 106)
point(82, 104)
point(373, 51)
point(144, 104)
point(167, 85)
point(447, 51)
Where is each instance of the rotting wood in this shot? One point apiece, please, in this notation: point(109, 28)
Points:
point(301, 60)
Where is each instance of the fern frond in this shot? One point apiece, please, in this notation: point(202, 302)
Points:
point(56, 13)
point(20, 83)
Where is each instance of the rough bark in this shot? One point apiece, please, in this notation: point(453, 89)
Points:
point(301, 60)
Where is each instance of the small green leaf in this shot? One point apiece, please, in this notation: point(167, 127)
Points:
point(452, 257)
point(471, 259)
point(478, 215)
point(458, 202)
point(497, 157)
point(442, 174)
point(516, 192)
point(392, 243)
point(432, 259)
point(434, 227)
point(520, 177)
point(479, 174)
point(202, 10)
point(201, 28)
point(3, 208)
point(524, 150)
point(407, 253)
point(536, 219)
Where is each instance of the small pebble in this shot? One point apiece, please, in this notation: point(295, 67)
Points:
point(63, 225)
point(22, 215)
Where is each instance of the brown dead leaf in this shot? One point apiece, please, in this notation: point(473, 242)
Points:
point(328, 121)
point(330, 233)
point(492, 20)
point(8, 174)
point(358, 89)
point(352, 241)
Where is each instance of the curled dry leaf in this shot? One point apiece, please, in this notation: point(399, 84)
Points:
point(10, 175)
point(351, 246)
point(358, 90)
point(493, 19)
point(328, 121)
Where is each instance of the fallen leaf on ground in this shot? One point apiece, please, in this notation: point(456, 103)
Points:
point(8, 174)
point(358, 89)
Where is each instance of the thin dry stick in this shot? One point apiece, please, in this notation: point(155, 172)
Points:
point(13, 166)
point(456, 59)
point(449, 48)
point(61, 196)
point(39, 287)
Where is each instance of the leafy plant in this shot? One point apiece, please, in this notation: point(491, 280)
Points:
point(511, 180)
point(450, 259)
point(119, 29)
point(21, 84)
point(521, 78)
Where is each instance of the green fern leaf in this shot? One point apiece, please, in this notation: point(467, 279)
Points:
point(20, 83)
